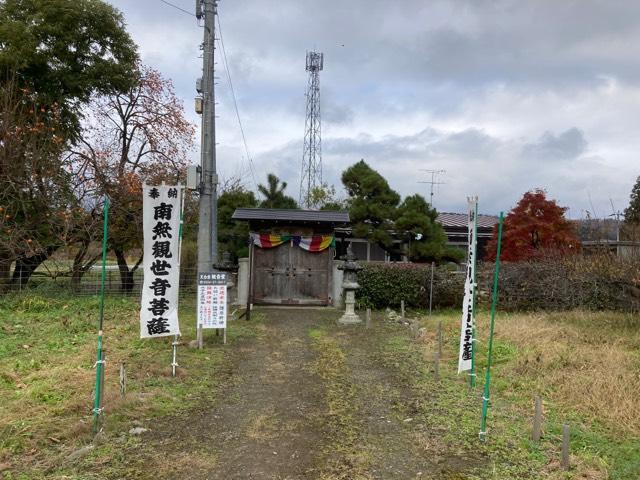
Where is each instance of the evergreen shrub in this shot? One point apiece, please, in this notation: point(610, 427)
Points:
point(387, 284)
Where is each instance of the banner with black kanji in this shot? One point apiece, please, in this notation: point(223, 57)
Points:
point(161, 229)
point(465, 355)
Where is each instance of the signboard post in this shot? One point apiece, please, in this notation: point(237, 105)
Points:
point(212, 301)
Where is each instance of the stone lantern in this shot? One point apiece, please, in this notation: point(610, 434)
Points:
point(350, 285)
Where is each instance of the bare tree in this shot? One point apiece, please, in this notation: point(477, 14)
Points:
point(137, 137)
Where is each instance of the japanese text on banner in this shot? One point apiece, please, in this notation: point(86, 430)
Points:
point(468, 318)
point(161, 226)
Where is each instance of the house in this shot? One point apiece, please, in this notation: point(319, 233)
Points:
point(456, 228)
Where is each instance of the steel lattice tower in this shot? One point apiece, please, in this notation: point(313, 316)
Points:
point(311, 175)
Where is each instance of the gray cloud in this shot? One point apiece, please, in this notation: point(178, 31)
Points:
point(505, 95)
point(569, 144)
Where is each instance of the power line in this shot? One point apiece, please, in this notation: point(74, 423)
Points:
point(235, 102)
point(177, 8)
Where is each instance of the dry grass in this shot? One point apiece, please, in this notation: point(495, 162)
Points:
point(579, 360)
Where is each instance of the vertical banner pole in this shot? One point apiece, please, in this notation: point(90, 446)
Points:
point(174, 344)
point(97, 410)
point(494, 303)
point(250, 289)
point(433, 266)
point(472, 377)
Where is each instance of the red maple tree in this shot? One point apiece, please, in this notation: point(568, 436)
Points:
point(534, 227)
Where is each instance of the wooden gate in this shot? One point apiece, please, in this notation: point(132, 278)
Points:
point(288, 274)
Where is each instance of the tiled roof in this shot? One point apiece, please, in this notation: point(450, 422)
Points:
point(289, 215)
point(461, 220)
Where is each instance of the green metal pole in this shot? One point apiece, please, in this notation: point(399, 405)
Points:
point(494, 303)
point(99, 360)
point(472, 376)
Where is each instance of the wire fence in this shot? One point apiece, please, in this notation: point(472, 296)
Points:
point(90, 283)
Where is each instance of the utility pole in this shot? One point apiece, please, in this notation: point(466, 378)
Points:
point(208, 217)
point(434, 175)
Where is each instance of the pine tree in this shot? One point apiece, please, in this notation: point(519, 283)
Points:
point(372, 203)
point(632, 212)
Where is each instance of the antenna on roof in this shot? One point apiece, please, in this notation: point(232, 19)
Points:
point(616, 215)
point(433, 181)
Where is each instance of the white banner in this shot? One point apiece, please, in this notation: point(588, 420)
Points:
point(212, 300)
point(468, 315)
point(161, 266)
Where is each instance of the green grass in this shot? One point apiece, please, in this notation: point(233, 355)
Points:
point(47, 351)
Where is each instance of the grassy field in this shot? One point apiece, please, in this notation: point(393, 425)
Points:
point(585, 366)
point(47, 354)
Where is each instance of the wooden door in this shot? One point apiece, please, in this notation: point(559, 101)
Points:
point(310, 276)
point(290, 275)
point(271, 274)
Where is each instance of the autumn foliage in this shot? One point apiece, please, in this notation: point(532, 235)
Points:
point(535, 227)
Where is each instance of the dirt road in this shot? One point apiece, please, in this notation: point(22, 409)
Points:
point(306, 399)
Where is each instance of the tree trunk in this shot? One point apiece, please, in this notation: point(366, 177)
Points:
point(81, 265)
point(126, 275)
point(25, 266)
point(5, 271)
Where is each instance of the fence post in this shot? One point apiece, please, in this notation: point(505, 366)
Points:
point(440, 338)
point(402, 308)
point(537, 420)
point(123, 379)
point(436, 366)
point(368, 318)
point(433, 264)
point(565, 446)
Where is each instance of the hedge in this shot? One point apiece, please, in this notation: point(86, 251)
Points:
point(387, 284)
point(589, 282)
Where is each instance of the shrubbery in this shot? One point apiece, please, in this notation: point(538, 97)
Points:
point(588, 282)
point(386, 284)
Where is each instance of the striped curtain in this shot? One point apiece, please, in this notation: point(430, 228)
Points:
point(268, 240)
point(313, 243)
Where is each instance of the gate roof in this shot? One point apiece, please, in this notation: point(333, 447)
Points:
point(284, 215)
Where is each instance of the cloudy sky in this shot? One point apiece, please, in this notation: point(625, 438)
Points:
point(505, 95)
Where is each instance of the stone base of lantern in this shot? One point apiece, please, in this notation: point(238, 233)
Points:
point(350, 316)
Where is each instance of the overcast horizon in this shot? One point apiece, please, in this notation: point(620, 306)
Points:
point(505, 96)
